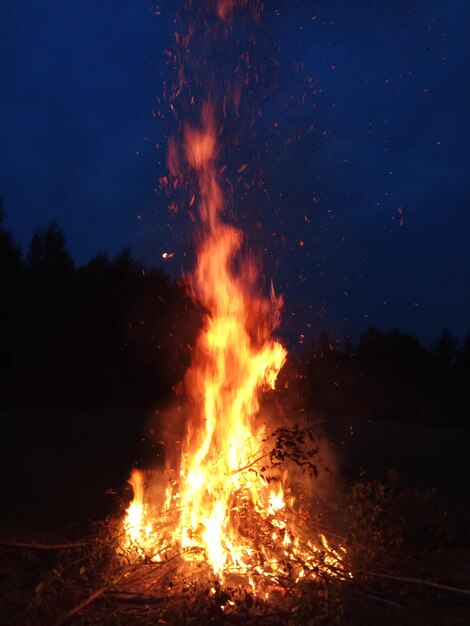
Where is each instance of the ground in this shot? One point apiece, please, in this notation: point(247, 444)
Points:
point(64, 471)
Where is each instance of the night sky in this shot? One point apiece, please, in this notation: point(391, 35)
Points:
point(366, 221)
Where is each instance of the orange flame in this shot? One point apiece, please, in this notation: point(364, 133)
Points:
point(221, 510)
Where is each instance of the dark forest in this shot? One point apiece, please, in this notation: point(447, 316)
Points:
point(113, 334)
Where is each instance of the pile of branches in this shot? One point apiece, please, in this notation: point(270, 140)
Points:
point(94, 581)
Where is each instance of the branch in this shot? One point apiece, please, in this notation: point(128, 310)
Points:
point(382, 600)
point(419, 581)
point(44, 546)
point(94, 596)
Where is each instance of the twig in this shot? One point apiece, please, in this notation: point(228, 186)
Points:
point(249, 465)
point(419, 581)
point(44, 546)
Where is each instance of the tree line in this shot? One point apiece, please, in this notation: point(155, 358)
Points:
point(112, 333)
point(109, 333)
point(390, 375)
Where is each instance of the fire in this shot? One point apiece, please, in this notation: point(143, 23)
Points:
point(221, 509)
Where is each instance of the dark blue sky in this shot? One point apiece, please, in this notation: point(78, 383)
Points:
point(373, 183)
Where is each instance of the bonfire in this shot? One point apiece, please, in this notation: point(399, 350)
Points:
point(227, 507)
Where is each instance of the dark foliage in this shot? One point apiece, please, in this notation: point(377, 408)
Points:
point(107, 334)
point(391, 376)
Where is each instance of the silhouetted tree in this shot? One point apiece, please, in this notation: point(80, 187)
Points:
point(445, 348)
point(398, 368)
point(48, 254)
point(11, 287)
point(10, 256)
point(463, 356)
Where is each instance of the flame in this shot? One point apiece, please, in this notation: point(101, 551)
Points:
point(221, 510)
